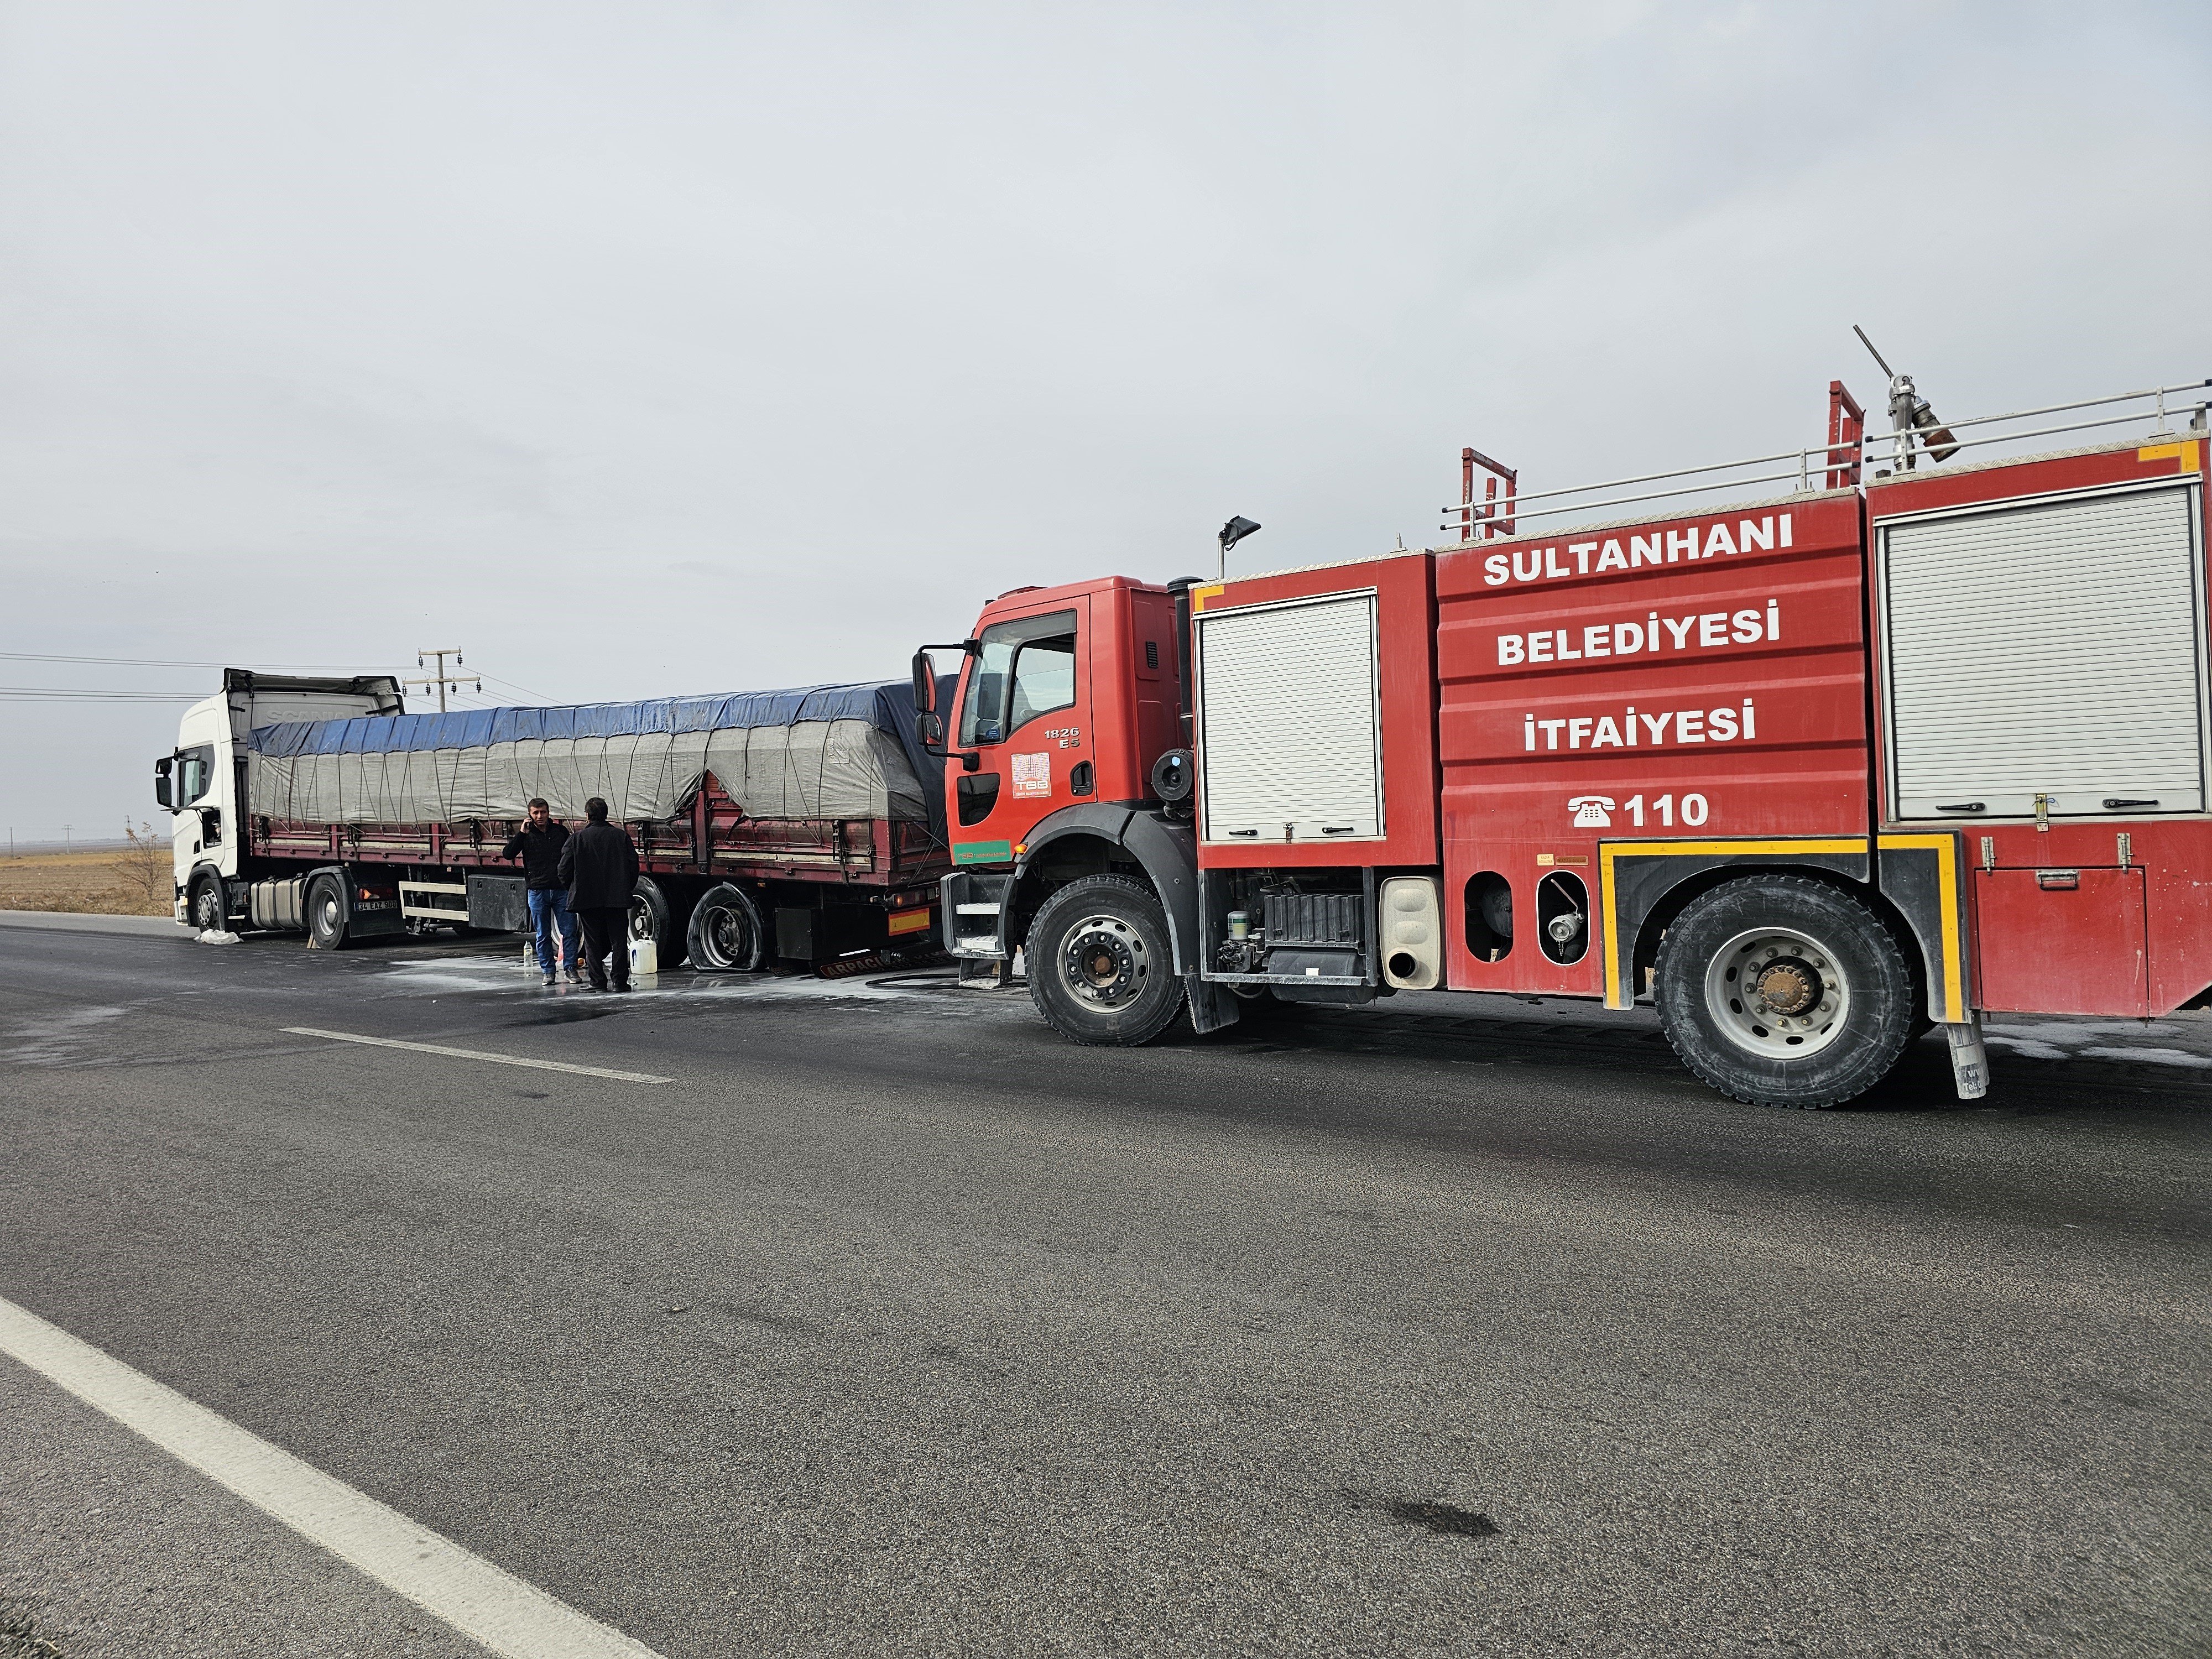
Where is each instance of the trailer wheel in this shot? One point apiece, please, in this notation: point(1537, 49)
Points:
point(652, 917)
point(1784, 990)
point(1100, 970)
point(326, 913)
point(726, 935)
point(206, 906)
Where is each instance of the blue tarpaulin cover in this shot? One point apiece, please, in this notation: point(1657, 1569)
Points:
point(811, 751)
point(888, 708)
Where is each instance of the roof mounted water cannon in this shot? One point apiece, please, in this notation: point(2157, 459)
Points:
point(1909, 416)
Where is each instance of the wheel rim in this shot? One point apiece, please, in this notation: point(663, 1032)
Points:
point(1104, 964)
point(1777, 992)
point(724, 937)
point(204, 912)
point(641, 919)
point(329, 917)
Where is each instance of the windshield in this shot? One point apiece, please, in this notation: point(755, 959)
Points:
point(1022, 669)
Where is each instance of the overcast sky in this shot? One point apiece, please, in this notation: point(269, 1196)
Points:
point(643, 349)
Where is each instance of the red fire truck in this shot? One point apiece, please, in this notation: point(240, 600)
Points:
point(1923, 735)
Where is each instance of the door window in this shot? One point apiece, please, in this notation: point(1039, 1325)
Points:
point(195, 775)
point(1023, 669)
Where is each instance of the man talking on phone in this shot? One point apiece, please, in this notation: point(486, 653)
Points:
point(539, 845)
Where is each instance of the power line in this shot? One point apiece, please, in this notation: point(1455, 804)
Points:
point(512, 686)
point(167, 662)
point(56, 694)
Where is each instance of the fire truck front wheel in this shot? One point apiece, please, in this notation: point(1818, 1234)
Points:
point(1784, 990)
point(1099, 967)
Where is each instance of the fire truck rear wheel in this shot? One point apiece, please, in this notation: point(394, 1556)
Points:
point(1785, 991)
point(1099, 966)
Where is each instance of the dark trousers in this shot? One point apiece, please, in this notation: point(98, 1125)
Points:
point(606, 930)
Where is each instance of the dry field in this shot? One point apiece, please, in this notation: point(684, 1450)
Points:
point(131, 880)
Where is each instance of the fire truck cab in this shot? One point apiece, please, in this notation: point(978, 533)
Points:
point(1809, 771)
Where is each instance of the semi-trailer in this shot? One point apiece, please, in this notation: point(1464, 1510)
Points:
point(802, 826)
point(1912, 738)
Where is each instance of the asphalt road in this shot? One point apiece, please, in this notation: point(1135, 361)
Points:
point(893, 1325)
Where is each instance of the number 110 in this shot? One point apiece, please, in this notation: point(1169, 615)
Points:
point(1694, 810)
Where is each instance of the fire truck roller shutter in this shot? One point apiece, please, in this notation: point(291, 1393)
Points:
point(2050, 651)
point(1288, 743)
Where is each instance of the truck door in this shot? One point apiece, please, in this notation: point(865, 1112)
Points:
point(1027, 713)
point(196, 827)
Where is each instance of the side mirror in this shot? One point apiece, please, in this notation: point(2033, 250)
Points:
point(930, 729)
point(925, 684)
point(162, 784)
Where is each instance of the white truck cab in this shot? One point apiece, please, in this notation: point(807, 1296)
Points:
point(202, 780)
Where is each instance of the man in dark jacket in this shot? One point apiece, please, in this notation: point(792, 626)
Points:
point(539, 845)
point(600, 867)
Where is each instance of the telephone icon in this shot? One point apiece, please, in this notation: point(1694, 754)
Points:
point(1592, 812)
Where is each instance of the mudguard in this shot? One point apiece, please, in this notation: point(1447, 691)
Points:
point(1168, 853)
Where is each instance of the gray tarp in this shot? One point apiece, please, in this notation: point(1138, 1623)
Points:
point(774, 753)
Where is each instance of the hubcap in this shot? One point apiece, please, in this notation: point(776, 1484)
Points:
point(1104, 963)
point(724, 937)
point(1777, 992)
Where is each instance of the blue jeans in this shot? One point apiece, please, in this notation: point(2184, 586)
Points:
point(547, 907)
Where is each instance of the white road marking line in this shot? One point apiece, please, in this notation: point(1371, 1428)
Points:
point(478, 1053)
point(477, 1599)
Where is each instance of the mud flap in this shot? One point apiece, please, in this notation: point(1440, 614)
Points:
point(1213, 1007)
point(1970, 1061)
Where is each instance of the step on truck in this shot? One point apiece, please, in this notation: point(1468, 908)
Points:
point(1914, 728)
point(800, 827)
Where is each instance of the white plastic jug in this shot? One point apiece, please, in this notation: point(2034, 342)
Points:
point(644, 956)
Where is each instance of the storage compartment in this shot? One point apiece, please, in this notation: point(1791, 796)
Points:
point(1308, 931)
point(2062, 941)
point(1289, 736)
point(826, 934)
point(2047, 658)
point(499, 903)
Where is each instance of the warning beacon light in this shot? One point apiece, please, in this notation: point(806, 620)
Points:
point(1231, 533)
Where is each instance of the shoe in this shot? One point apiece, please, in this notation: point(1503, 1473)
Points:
point(574, 978)
point(599, 985)
point(549, 978)
point(622, 985)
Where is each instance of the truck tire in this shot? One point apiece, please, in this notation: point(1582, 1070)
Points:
point(726, 935)
point(205, 906)
point(327, 913)
point(651, 917)
point(1100, 969)
point(1784, 990)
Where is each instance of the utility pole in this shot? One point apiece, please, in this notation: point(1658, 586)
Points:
point(67, 848)
point(441, 679)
